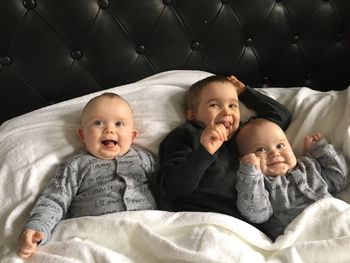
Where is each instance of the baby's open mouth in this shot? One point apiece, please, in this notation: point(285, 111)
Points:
point(227, 124)
point(109, 143)
point(274, 163)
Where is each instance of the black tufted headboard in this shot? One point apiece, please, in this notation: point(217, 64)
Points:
point(53, 50)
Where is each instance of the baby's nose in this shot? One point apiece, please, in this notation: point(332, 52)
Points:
point(109, 129)
point(226, 111)
point(274, 152)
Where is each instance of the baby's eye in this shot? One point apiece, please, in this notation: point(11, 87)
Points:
point(119, 124)
point(260, 150)
point(233, 106)
point(98, 123)
point(280, 146)
point(212, 105)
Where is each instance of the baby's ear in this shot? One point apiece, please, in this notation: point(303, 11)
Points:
point(80, 133)
point(189, 114)
point(134, 133)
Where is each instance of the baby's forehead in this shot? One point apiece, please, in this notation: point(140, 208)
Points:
point(99, 102)
point(220, 84)
point(100, 105)
point(217, 89)
point(256, 126)
point(256, 122)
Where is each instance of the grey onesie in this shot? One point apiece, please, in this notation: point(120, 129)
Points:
point(88, 186)
point(276, 201)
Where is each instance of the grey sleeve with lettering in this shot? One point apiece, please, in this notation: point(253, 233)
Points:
point(148, 160)
point(333, 166)
point(139, 194)
point(252, 198)
point(54, 202)
point(149, 163)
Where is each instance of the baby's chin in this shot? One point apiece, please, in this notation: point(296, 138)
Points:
point(103, 155)
point(106, 157)
point(276, 172)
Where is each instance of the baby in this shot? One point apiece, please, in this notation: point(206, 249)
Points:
point(273, 186)
point(108, 176)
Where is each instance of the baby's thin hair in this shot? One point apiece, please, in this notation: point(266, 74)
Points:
point(192, 95)
point(105, 94)
point(110, 95)
point(250, 119)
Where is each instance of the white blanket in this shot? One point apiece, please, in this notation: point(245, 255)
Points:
point(32, 145)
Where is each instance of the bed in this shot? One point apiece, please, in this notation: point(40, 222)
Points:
point(56, 55)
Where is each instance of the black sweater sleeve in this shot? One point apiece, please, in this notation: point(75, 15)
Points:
point(183, 162)
point(266, 107)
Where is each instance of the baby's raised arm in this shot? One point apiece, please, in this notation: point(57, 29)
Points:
point(28, 243)
point(252, 159)
point(237, 83)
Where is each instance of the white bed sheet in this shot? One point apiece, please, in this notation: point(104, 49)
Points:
point(33, 144)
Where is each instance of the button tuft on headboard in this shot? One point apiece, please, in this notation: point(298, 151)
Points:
point(29, 4)
point(76, 54)
point(249, 42)
point(103, 3)
point(167, 2)
point(141, 49)
point(195, 45)
point(295, 39)
point(5, 60)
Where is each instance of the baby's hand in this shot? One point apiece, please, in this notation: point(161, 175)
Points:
point(309, 141)
point(213, 137)
point(252, 159)
point(28, 243)
point(238, 84)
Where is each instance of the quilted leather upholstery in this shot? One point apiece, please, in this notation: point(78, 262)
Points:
point(53, 50)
